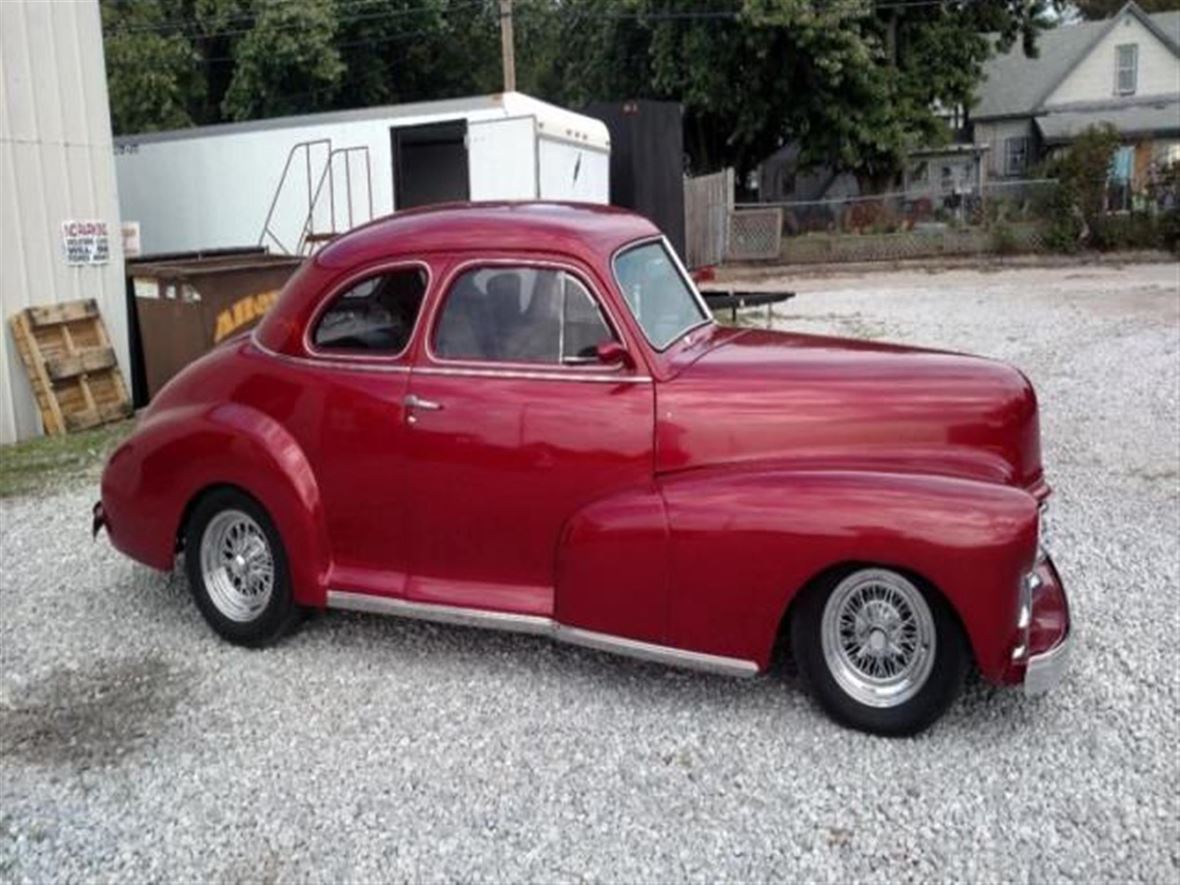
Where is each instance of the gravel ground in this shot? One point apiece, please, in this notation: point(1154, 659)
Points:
point(135, 746)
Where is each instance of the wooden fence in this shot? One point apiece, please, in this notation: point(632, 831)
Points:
point(708, 201)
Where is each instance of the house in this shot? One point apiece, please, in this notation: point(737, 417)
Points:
point(1124, 71)
point(783, 178)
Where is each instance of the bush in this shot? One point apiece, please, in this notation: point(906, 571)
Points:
point(1075, 205)
point(1065, 225)
point(1003, 238)
point(1169, 223)
point(1138, 230)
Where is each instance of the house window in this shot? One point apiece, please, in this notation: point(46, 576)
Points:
point(1126, 68)
point(1015, 155)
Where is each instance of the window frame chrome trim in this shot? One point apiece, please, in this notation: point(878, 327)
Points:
point(321, 363)
point(685, 276)
point(562, 371)
point(342, 286)
point(584, 377)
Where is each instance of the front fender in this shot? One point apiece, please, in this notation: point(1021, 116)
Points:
point(174, 455)
point(745, 542)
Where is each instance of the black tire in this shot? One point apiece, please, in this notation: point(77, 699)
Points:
point(951, 662)
point(280, 613)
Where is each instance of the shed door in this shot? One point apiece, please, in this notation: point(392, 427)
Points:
point(429, 164)
point(502, 159)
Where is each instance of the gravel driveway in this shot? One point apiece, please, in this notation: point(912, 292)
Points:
point(135, 746)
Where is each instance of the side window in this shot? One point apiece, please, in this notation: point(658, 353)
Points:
point(376, 315)
point(520, 315)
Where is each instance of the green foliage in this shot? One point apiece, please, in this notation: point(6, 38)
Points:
point(1064, 223)
point(782, 70)
point(856, 83)
point(287, 63)
point(28, 468)
point(1003, 239)
point(1082, 171)
point(1169, 224)
point(153, 76)
point(1135, 230)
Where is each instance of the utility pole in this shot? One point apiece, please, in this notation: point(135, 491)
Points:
point(507, 46)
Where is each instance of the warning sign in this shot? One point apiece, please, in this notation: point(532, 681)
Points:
point(85, 242)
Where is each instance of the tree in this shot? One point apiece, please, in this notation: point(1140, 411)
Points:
point(287, 63)
point(154, 77)
point(856, 83)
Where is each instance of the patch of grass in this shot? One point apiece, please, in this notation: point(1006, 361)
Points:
point(32, 466)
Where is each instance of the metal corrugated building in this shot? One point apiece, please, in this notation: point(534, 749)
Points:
point(56, 165)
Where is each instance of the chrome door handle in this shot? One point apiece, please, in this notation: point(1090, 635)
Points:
point(415, 402)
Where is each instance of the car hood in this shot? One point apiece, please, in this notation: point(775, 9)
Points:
point(831, 403)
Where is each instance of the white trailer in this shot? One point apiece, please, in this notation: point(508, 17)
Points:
point(292, 182)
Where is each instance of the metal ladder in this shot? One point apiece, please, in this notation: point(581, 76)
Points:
point(300, 156)
point(311, 239)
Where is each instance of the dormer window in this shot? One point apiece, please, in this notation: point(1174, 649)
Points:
point(1126, 68)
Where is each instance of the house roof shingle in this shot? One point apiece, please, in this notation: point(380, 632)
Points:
point(1159, 118)
point(1014, 85)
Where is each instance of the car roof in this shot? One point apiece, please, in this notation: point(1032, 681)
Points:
point(587, 230)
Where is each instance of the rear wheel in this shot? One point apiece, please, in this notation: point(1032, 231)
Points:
point(237, 569)
point(881, 653)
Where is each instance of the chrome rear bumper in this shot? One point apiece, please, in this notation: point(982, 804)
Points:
point(1045, 670)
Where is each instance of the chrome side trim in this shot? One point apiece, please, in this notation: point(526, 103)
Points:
point(532, 375)
point(660, 654)
point(537, 625)
point(323, 363)
point(1046, 670)
point(442, 614)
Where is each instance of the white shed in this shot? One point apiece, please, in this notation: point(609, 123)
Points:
point(290, 182)
point(57, 177)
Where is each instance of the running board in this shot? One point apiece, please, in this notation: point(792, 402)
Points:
point(537, 625)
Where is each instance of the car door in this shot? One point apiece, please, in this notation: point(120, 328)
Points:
point(514, 425)
point(352, 421)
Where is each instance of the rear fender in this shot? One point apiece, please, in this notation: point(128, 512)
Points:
point(157, 474)
point(612, 567)
point(744, 543)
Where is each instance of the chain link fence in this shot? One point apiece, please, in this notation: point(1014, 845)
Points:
point(755, 234)
point(1018, 200)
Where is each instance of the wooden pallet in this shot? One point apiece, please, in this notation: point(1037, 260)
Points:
point(71, 366)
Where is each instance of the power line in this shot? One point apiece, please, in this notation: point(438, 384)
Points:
point(194, 30)
point(389, 38)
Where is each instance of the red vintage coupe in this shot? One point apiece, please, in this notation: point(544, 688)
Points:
point(523, 416)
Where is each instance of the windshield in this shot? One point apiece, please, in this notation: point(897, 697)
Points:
point(657, 293)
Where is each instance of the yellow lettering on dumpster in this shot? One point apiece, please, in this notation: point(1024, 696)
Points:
point(242, 312)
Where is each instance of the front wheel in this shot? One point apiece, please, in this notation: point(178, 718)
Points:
point(237, 569)
point(881, 653)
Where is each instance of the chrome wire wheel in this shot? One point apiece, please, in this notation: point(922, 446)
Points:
point(237, 566)
point(878, 638)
